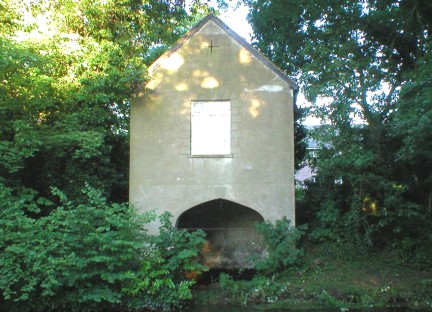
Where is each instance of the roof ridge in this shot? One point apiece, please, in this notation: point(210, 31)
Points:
point(232, 34)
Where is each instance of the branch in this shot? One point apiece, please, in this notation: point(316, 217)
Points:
point(388, 102)
point(368, 115)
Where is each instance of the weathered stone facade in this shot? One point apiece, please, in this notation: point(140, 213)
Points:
point(213, 64)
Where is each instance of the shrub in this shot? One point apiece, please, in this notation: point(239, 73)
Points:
point(160, 283)
point(282, 241)
point(88, 256)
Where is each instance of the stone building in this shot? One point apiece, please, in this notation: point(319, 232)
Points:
point(212, 141)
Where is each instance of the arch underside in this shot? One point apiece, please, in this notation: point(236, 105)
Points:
point(232, 241)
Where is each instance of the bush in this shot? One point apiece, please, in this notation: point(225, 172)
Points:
point(281, 240)
point(161, 283)
point(92, 256)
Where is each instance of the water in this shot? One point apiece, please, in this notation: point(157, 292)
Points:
point(246, 309)
point(223, 308)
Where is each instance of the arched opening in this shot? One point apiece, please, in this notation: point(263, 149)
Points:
point(232, 240)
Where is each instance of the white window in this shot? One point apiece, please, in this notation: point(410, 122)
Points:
point(211, 128)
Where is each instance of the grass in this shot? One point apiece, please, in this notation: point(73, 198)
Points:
point(341, 277)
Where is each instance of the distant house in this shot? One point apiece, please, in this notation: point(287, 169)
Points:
point(212, 140)
point(306, 172)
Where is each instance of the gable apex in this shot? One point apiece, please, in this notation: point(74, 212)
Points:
point(241, 41)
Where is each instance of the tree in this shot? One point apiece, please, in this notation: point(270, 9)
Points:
point(354, 55)
point(68, 69)
point(411, 125)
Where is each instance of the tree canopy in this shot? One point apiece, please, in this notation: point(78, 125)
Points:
point(355, 52)
point(67, 71)
point(364, 67)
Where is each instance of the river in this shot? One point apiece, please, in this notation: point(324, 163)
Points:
point(224, 308)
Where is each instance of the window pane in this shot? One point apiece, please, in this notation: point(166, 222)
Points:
point(211, 128)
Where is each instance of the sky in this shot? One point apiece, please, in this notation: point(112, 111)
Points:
point(236, 19)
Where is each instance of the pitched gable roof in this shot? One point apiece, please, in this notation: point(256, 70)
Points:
point(233, 35)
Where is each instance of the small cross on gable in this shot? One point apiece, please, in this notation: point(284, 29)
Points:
point(211, 46)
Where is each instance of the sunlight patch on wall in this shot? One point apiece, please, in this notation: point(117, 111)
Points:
point(185, 110)
point(173, 62)
point(156, 80)
point(245, 56)
point(200, 73)
point(205, 44)
point(254, 109)
point(182, 86)
point(210, 83)
point(270, 88)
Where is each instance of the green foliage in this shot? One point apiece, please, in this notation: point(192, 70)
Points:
point(161, 283)
point(90, 255)
point(180, 248)
point(281, 241)
point(411, 125)
point(78, 256)
point(9, 18)
point(260, 290)
point(415, 252)
point(357, 196)
point(347, 275)
point(334, 275)
point(300, 135)
point(67, 72)
point(368, 62)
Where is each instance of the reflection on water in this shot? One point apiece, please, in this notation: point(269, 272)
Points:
point(222, 308)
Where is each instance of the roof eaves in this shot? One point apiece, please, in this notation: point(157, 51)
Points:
point(236, 37)
point(261, 57)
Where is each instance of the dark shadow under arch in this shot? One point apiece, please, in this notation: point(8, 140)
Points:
point(232, 240)
point(218, 213)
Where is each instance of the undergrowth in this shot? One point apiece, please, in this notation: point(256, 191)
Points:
point(332, 276)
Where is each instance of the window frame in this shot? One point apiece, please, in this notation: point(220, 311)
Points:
point(205, 116)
